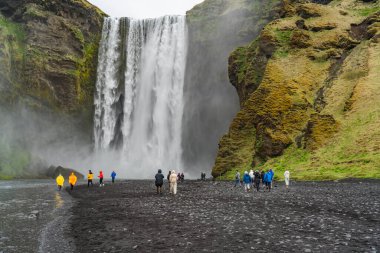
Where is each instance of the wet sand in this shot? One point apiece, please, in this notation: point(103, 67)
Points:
point(216, 217)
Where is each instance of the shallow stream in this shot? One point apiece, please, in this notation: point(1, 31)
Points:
point(27, 207)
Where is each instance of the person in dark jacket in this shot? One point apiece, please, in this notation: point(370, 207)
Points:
point(257, 180)
point(182, 177)
point(263, 177)
point(168, 178)
point(159, 181)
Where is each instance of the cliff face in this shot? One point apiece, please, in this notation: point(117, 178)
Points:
point(308, 89)
point(48, 53)
point(216, 27)
point(48, 58)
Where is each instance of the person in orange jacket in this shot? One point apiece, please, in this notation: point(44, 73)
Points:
point(72, 180)
point(101, 179)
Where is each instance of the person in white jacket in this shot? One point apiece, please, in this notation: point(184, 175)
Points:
point(173, 182)
point(287, 178)
point(252, 175)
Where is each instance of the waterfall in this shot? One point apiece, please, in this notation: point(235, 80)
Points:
point(139, 91)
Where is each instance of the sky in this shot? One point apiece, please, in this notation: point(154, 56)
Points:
point(144, 8)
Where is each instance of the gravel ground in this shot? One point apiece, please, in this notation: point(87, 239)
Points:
point(216, 217)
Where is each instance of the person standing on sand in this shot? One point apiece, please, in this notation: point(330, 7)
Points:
point(159, 181)
point(237, 178)
point(168, 178)
point(72, 180)
point(257, 180)
point(287, 179)
point(247, 181)
point(113, 176)
point(173, 183)
point(90, 177)
point(101, 179)
point(60, 180)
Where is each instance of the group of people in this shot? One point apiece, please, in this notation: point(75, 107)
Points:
point(253, 179)
point(172, 177)
point(90, 177)
point(203, 176)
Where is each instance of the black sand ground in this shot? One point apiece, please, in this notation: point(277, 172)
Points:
point(215, 217)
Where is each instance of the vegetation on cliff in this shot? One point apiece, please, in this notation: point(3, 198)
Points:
point(48, 53)
point(48, 58)
point(216, 27)
point(308, 88)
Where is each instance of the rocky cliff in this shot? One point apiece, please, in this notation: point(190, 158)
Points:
point(216, 27)
point(48, 58)
point(48, 53)
point(309, 94)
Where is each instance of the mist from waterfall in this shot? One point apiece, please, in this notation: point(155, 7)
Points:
point(139, 93)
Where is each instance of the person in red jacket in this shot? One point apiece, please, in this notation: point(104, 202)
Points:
point(101, 179)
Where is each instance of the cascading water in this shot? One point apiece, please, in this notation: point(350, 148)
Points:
point(139, 91)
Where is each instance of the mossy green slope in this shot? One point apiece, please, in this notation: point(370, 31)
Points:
point(309, 94)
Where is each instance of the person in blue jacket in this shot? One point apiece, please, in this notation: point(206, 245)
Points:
point(268, 180)
point(247, 181)
point(113, 176)
point(272, 178)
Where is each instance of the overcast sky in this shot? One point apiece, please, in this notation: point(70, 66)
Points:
point(144, 8)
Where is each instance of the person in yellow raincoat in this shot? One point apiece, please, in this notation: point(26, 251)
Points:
point(72, 180)
point(60, 181)
point(90, 177)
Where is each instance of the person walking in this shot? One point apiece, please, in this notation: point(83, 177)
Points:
point(101, 178)
point(252, 175)
point(159, 181)
point(287, 178)
point(237, 178)
point(263, 177)
point(72, 180)
point(173, 182)
point(168, 178)
point(247, 181)
point(113, 176)
point(268, 180)
point(60, 180)
point(257, 180)
point(90, 177)
point(271, 172)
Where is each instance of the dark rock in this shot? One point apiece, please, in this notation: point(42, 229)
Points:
point(53, 172)
point(301, 24)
